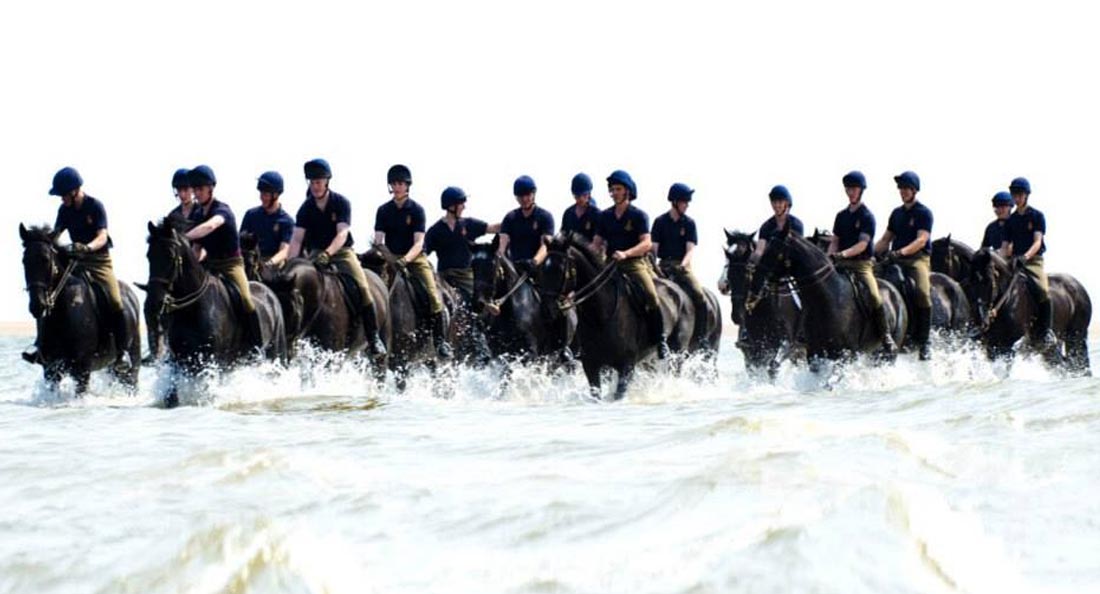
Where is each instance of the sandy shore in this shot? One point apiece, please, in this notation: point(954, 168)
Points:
point(17, 328)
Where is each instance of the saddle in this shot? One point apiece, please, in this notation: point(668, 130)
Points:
point(235, 301)
point(860, 292)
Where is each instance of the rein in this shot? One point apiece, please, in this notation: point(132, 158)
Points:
point(495, 303)
point(991, 315)
point(173, 303)
point(591, 288)
point(53, 294)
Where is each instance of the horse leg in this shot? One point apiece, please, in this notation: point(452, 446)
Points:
point(626, 373)
point(82, 378)
point(592, 374)
point(52, 374)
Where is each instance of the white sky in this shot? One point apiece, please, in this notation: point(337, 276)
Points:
point(730, 98)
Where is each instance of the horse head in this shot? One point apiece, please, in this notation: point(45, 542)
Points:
point(989, 276)
point(738, 271)
point(490, 270)
point(250, 254)
point(169, 253)
point(41, 267)
point(381, 261)
point(822, 238)
point(558, 273)
point(952, 257)
point(788, 255)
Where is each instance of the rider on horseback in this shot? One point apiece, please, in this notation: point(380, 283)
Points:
point(215, 232)
point(269, 223)
point(181, 186)
point(323, 227)
point(674, 239)
point(908, 241)
point(399, 223)
point(623, 233)
point(780, 197)
point(86, 221)
point(524, 230)
point(850, 248)
point(584, 215)
point(1024, 239)
point(450, 237)
point(994, 236)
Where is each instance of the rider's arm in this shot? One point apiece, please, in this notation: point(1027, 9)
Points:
point(296, 242)
point(281, 255)
point(502, 247)
point(883, 243)
point(205, 228)
point(639, 249)
point(689, 252)
point(417, 247)
point(342, 230)
point(915, 246)
point(1036, 245)
point(597, 243)
point(1006, 248)
point(99, 241)
point(493, 228)
point(540, 255)
point(759, 251)
point(834, 242)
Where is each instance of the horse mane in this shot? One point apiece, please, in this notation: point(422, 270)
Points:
point(986, 255)
point(563, 241)
point(249, 241)
point(172, 225)
point(965, 251)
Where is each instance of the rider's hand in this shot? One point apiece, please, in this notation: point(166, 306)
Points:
point(723, 287)
point(76, 248)
point(322, 258)
point(837, 256)
point(1019, 262)
point(618, 255)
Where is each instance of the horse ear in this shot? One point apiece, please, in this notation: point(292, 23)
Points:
point(752, 237)
point(729, 236)
point(142, 286)
point(152, 228)
point(22, 232)
point(948, 238)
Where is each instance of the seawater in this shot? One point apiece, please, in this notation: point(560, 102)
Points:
point(958, 475)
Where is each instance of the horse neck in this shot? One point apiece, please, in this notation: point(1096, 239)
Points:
point(603, 299)
point(192, 274)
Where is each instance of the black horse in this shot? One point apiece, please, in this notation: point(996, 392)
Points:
point(410, 321)
point(611, 326)
point(318, 306)
point(952, 257)
point(201, 315)
point(951, 311)
point(71, 314)
point(1007, 306)
point(773, 331)
point(517, 322)
point(838, 322)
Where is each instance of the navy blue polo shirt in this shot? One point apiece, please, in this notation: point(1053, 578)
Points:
point(672, 236)
point(585, 224)
point(451, 245)
point(995, 234)
point(850, 228)
point(623, 233)
point(771, 227)
point(271, 230)
point(320, 226)
point(223, 242)
point(525, 233)
point(399, 224)
point(178, 210)
point(906, 222)
point(83, 223)
point(1021, 228)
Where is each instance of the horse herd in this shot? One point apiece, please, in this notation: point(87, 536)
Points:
point(791, 304)
point(794, 304)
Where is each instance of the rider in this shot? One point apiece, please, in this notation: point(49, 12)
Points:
point(524, 230)
point(323, 228)
point(624, 232)
point(907, 239)
point(449, 238)
point(780, 197)
point(269, 223)
point(86, 221)
point(583, 216)
point(215, 231)
point(1024, 242)
point(674, 239)
point(186, 197)
point(850, 248)
point(995, 231)
point(399, 223)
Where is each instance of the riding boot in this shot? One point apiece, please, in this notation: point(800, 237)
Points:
point(657, 332)
point(155, 346)
point(32, 355)
point(439, 336)
point(922, 317)
point(121, 335)
point(255, 332)
point(889, 348)
point(1044, 316)
point(375, 345)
